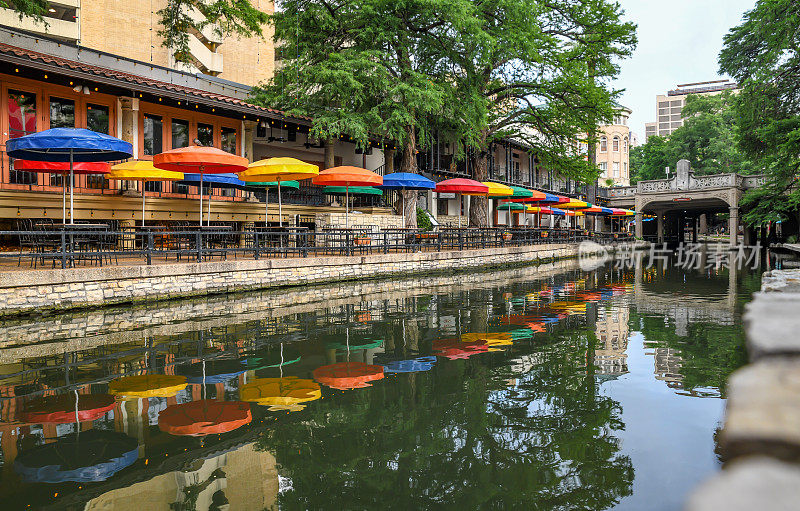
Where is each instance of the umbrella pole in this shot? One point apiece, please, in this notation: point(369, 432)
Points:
point(63, 199)
point(280, 205)
point(201, 197)
point(403, 204)
point(488, 223)
point(458, 204)
point(208, 217)
point(71, 189)
point(266, 205)
point(347, 206)
point(143, 199)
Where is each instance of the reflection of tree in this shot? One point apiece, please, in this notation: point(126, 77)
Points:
point(709, 352)
point(458, 436)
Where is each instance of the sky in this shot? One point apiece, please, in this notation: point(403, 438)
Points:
point(679, 41)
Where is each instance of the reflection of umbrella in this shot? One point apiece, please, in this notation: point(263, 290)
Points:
point(281, 393)
point(202, 160)
point(279, 169)
point(348, 375)
point(213, 371)
point(460, 187)
point(62, 409)
point(94, 455)
point(358, 345)
point(69, 145)
point(204, 417)
point(488, 338)
point(147, 385)
point(406, 181)
point(270, 356)
point(268, 184)
point(347, 177)
point(413, 365)
point(455, 349)
point(142, 171)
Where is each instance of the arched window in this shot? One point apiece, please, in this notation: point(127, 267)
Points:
point(603, 144)
point(615, 144)
point(625, 144)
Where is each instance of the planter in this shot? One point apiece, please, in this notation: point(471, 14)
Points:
point(507, 236)
point(362, 241)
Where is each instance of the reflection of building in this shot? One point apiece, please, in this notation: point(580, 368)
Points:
point(244, 479)
point(612, 335)
point(667, 365)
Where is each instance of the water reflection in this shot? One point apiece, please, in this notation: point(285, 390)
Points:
point(504, 390)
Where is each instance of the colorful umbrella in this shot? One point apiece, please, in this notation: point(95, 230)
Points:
point(488, 338)
point(406, 181)
point(212, 181)
point(69, 145)
point(147, 385)
point(347, 177)
point(356, 190)
point(200, 160)
point(413, 365)
point(285, 393)
point(279, 169)
point(348, 375)
point(461, 186)
point(142, 171)
point(204, 417)
point(455, 349)
point(496, 190)
point(67, 408)
point(213, 371)
point(90, 456)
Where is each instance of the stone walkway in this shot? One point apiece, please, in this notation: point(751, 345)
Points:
point(760, 440)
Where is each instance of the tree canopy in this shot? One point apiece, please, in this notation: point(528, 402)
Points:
point(708, 139)
point(763, 55)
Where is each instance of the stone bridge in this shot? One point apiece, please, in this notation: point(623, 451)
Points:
point(685, 200)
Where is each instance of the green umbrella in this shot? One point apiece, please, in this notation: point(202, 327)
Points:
point(266, 185)
point(511, 206)
point(521, 193)
point(360, 190)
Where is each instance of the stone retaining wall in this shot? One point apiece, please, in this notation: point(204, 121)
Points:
point(760, 439)
point(24, 292)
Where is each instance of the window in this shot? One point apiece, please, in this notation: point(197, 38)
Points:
point(180, 188)
point(62, 113)
point(615, 167)
point(21, 121)
point(97, 118)
point(603, 144)
point(615, 144)
point(663, 104)
point(152, 186)
point(180, 133)
point(98, 182)
point(153, 135)
point(625, 144)
point(228, 139)
point(677, 102)
point(441, 207)
point(205, 134)
point(625, 169)
point(603, 166)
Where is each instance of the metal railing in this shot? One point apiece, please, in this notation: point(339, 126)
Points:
point(76, 246)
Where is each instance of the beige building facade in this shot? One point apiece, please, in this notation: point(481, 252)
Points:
point(670, 105)
point(129, 28)
point(613, 149)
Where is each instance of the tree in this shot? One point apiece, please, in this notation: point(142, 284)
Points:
point(361, 68)
point(537, 72)
point(762, 55)
point(30, 8)
point(223, 17)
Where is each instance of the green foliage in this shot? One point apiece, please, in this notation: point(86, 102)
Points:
point(762, 54)
point(35, 9)
point(423, 222)
point(707, 139)
point(224, 17)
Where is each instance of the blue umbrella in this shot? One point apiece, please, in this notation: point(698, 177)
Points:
point(69, 145)
point(558, 212)
point(214, 181)
point(548, 198)
point(413, 365)
point(406, 181)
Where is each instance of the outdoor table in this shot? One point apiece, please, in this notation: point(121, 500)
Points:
point(76, 228)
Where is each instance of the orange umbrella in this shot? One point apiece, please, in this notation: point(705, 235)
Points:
point(200, 160)
point(454, 349)
point(204, 417)
point(348, 375)
point(347, 176)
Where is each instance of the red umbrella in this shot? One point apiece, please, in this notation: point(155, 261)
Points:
point(200, 160)
point(204, 417)
point(455, 349)
point(461, 186)
point(62, 409)
point(347, 176)
point(348, 375)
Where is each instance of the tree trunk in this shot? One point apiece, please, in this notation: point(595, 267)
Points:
point(478, 205)
point(409, 164)
point(330, 160)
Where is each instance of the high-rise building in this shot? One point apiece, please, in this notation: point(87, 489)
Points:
point(669, 106)
point(613, 149)
point(130, 29)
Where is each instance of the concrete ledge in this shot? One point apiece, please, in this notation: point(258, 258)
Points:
point(772, 324)
point(61, 289)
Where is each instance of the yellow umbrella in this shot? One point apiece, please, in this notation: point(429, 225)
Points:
point(147, 385)
point(281, 393)
point(279, 169)
point(497, 190)
point(489, 338)
point(142, 170)
point(574, 204)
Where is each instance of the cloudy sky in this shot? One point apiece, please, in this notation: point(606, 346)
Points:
point(679, 41)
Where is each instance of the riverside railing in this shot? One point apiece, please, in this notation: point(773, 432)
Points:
point(77, 246)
